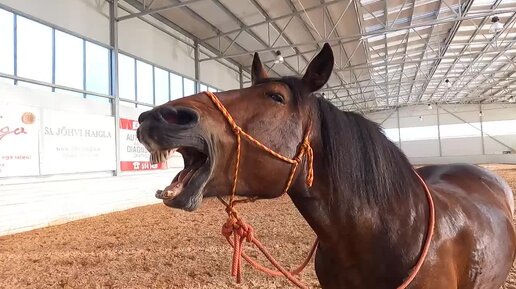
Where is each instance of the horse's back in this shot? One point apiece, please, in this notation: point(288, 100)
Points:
point(476, 182)
point(474, 209)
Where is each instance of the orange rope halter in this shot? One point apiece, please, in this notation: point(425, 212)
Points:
point(242, 231)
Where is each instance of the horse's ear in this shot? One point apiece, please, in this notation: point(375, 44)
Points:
point(319, 70)
point(257, 71)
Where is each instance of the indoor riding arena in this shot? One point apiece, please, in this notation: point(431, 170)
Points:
point(164, 143)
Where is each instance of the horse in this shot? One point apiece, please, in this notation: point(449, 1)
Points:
point(366, 203)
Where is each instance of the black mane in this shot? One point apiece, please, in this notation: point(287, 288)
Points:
point(361, 160)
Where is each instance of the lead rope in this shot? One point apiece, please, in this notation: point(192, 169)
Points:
point(429, 235)
point(242, 231)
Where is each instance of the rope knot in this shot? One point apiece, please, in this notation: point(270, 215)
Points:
point(236, 129)
point(228, 227)
point(245, 230)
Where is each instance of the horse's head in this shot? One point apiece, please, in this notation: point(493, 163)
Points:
point(274, 111)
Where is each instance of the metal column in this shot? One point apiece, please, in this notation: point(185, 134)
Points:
point(439, 131)
point(241, 76)
point(197, 68)
point(480, 116)
point(113, 39)
point(399, 128)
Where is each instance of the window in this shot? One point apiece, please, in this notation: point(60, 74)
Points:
point(7, 42)
point(161, 90)
point(203, 87)
point(97, 68)
point(176, 86)
point(34, 50)
point(69, 60)
point(189, 86)
point(126, 77)
point(500, 127)
point(392, 134)
point(419, 133)
point(126, 103)
point(144, 90)
point(211, 89)
point(460, 130)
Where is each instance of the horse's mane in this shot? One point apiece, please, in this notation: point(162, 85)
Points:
point(360, 160)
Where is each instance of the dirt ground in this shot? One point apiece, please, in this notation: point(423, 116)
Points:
point(157, 247)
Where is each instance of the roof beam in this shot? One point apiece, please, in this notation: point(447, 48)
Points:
point(272, 20)
point(357, 37)
point(250, 32)
point(448, 41)
point(495, 37)
point(156, 10)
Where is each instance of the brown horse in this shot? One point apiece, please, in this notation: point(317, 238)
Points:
point(366, 205)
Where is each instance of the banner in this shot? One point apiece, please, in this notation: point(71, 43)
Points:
point(74, 142)
point(133, 155)
point(19, 129)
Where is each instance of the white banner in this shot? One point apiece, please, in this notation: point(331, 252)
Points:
point(19, 129)
point(74, 142)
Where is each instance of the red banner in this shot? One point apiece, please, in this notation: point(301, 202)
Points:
point(133, 155)
point(129, 124)
point(141, 166)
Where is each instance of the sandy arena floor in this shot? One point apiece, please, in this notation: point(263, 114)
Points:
point(156, 247)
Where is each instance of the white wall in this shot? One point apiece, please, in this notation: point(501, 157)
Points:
point(85, 17)
point(145, 41)
point(423, 141)
point(227, 79)
point(37, 201)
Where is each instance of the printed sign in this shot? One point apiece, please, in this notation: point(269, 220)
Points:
point(133, 155)
point(73, 143)
point(19, 128)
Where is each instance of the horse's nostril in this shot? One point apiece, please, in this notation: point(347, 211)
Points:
point(143, 116)
point(180, 116)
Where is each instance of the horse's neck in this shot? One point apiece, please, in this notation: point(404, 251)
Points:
point(355, 233)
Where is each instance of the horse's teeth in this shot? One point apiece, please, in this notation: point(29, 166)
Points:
point(161, 156)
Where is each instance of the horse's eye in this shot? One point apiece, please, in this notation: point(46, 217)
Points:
point(277, 97)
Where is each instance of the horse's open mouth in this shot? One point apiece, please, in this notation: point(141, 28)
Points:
point(186, 188)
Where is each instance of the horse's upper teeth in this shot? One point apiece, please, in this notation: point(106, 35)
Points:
point(161, 156)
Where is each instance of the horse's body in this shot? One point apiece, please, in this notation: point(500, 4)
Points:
point(473, 246)
point(367, 206)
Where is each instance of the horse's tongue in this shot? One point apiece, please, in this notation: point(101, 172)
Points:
point(182, 175)
point(175, 188)
point(170, 191)
point(185, 175)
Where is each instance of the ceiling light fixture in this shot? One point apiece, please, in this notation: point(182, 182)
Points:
point(279, 58)
point(420, 118)
point(429, 106)
point(496, 25)
point(448, 83)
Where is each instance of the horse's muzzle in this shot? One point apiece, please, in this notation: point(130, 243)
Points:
point(180, 117)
